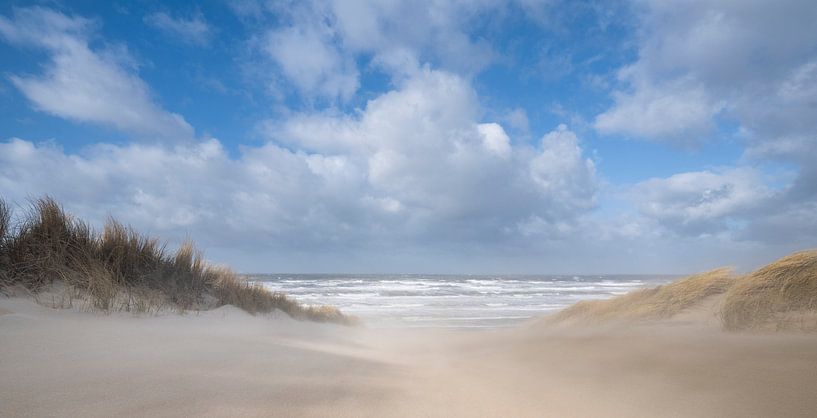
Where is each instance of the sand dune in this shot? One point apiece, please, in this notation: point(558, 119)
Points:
point(667, 351)
point(662, 302)
point(779, 296)
point(228, 363)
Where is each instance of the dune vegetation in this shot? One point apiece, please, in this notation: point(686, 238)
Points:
point(122, 270)
point(779, 296)
point(651, 303)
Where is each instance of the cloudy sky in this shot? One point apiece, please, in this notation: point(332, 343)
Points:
point(423, 136)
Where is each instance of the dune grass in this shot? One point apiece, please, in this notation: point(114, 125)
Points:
point(649, 304)
point(120, 269)
point(5, 224)
point(779, 296)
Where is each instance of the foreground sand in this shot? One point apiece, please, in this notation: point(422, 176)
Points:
point(228, 363)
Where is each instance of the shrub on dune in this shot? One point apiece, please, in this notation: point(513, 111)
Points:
point(121, 269)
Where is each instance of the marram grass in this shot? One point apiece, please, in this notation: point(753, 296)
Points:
point(781, 296)
point(659, 302)
point(120, 269)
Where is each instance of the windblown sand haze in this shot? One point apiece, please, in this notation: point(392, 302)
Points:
point(670, 351)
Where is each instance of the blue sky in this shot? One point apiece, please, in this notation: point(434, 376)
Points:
point(433, 136)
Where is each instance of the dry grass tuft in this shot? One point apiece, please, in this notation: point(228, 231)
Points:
point(779, 296)
point(253, 298)
point(649, 304)
point(120, 269)
point(5, 225)
point(5, 220)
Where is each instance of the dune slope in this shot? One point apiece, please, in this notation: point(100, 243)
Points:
point(659, 302)
point(779, 296)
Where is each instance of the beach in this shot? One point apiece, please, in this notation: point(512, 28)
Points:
point(391, 208)
point(225, 362)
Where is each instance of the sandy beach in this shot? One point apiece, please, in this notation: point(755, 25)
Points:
point(226, 362)
point(392, 208)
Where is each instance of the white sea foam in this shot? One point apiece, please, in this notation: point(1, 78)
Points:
point(450, 301)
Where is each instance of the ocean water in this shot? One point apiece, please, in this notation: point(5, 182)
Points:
point(450, 301)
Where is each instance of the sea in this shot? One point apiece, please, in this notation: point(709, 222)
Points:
point(451, 301)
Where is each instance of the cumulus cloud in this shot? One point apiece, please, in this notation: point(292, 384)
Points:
point(709, 64)
point(732, 205)
point(701, 61)
point(559, 170)
point(82, 84)
point(422, 149)
point(416, 166)
point(433, 30)
point(256, 198)
point(675, 110)
point(316, 44)
point(193, 29)
point(495, 139)
point(420, 170)
point(702, 202)
point(311, 61)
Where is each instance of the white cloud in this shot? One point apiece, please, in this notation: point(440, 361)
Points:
point(433, 30)
point(732, 206)
point(495, 139)
point(310, 60)
point(266, 194)
point(193, 30)
point(708, 59)
point(703, 202)
point(561, 171)
point(315, 44)
point(415, 167)
point(677, 110)
point(422, 147)
point(710, 64)
point(82, 84)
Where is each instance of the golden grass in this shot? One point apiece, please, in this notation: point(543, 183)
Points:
point(648, 304)
point(121, 269)
point(231, 290)
point(779, 296)
point(5, 223)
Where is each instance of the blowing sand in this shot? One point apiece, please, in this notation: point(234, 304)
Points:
point(228, 363)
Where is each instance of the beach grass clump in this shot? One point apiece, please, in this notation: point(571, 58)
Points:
point(5, 225)
point(5, 220)
point(254, 298)
point(779, 296)
point(120, 269)
point(659, 302)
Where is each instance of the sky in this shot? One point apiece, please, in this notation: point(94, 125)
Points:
point(426, 136)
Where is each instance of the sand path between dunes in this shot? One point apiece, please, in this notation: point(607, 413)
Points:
point(228, 363)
